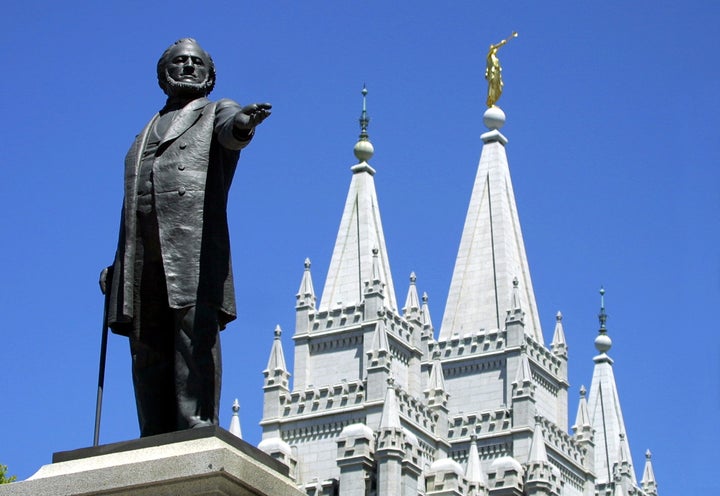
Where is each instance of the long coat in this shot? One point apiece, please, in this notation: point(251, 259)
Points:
point(192, 173)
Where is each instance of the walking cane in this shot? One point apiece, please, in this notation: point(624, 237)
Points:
point(103, 354)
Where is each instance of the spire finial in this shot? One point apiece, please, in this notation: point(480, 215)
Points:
point(622, 449)
point(364, 119)
point(425, 315)
point(515, 304)
point(278, 331)
point(363, 148)
point(602, 316)
point(603, 342)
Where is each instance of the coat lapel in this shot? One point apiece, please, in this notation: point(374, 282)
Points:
point(187, 116)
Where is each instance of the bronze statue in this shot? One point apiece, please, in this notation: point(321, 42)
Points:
point(493, 72)
point(170, 288)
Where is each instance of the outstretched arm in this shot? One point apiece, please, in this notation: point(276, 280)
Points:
point(252, 115)
point(235, 125)
point(503, 42)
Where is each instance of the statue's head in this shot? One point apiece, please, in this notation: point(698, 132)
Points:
point(186, 70)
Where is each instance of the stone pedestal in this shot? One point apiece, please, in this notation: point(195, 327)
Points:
point(199, 462)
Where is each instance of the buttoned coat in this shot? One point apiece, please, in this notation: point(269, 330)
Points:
point(192, 170)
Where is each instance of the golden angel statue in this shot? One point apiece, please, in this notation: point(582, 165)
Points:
point(493, 71)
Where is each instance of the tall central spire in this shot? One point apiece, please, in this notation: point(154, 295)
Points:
point(492, 251)
point(360, 233)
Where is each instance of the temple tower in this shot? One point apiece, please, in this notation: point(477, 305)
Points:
point(355, 415)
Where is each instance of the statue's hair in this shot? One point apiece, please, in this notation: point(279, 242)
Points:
point(165, 58)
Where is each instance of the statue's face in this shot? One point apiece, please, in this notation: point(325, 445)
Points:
point(187, 65)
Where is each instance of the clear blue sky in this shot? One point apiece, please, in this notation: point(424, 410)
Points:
point(612, 119)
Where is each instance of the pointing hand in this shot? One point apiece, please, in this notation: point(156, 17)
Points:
point(252, 115)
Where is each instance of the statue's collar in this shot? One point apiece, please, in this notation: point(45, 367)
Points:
point(177, 104)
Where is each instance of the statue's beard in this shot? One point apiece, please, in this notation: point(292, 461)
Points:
point(185, 89)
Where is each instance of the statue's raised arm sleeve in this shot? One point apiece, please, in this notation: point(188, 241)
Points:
point(225, 128)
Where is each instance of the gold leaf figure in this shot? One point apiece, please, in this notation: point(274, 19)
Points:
point(493, 71)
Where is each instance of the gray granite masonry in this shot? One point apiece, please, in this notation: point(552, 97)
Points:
point(208, 461)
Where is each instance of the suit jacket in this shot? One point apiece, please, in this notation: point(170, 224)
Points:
point(192, 172)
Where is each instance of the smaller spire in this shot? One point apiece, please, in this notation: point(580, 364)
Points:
point(623, 469)
point(375, 266)
point(390, 413)
point(541, 476)
point(649, 484)
point(235, 420)
point(523, 385)
point(524, 374)
point(306, 294)
point(376, 277)
point(559, 345)
point(473, 473)
point(380, 340)
point(412, 302)
point(622, 450)
point(582, 420)
point(515, 299)
point(603, 343)
point(363, 148)
point(515, 313)
point(277, 357)
point(425, 313)
point(436, 394)
point(437, 378)
point(538, 453)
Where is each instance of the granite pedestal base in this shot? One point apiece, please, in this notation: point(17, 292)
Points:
point(199, 462)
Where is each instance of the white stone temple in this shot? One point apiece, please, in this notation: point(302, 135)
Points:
point(383, 403)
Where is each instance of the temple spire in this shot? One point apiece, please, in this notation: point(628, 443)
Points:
point(306, 294)
point(604, 407)
point(492, 251)
point(523, 376)
point(276, 362)
point(360, 231)
point(649, 484)
point(559, 345)
point(538, 453)
point(437, 378)
point(473, 473)
point(235, 420)
point(426, 318)
point(380, 340)
point(412, 302)
point(390, 414)
point(582, 419)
